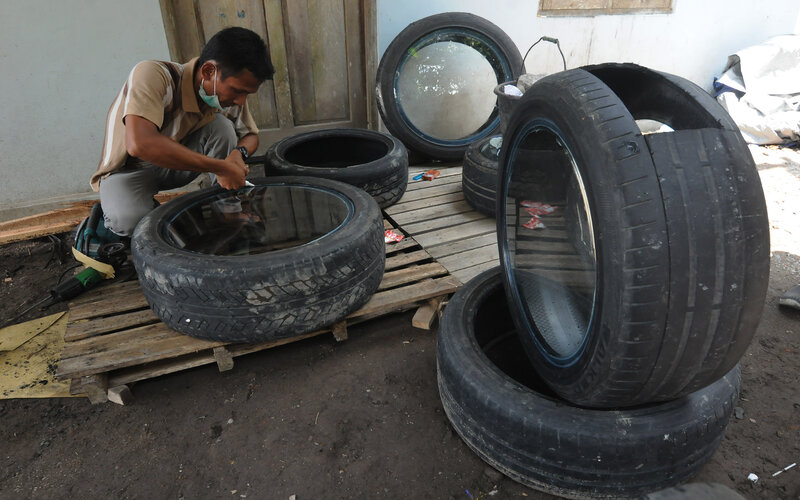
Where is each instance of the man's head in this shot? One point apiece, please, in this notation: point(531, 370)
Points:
point(236, 61)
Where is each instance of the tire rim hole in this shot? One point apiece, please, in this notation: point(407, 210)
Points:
point(257, 220)
point(551, 245)
point(336, 152)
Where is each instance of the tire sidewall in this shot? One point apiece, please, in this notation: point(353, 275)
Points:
point(549, 106)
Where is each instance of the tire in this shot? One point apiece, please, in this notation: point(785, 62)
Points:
point(370, 160)
point(508, 416)
point(665, 98)
point(675, 300)
point(263, 296)
point(458, 27)
point(479, 176)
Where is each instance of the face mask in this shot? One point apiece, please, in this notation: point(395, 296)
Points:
point(211, 100)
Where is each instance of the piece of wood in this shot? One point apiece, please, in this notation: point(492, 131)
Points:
point(386, 301)
point(408, 205)
point(85, 328)
point(471, 258)
point(405, 259)
point(439, 181)
point(411, 274)
point(223, 358)
point(427, 314)
point(433, 212)
point(464, 275)
point(432, 193)
point(96, 387)
point(463, 245)
point(403, 244)
point(127, 301)
point(456, 233)
point(340, 331)
point(121, 395)
point(453, 220)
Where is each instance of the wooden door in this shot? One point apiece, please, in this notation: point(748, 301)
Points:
point(323, 52)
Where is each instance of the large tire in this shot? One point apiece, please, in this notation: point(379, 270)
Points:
point(370, 160)
point(681, 249)
point(459, 27)
point(265, 296)
point(506, 414)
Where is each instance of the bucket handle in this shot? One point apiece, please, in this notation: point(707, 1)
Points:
point(544, 39)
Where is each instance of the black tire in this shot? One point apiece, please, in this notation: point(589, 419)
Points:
point(506, 414)
point(479, 176)
point(373, 161)
point(665, 98)
point(676, 298)
point(276, 294)
point(460, 27)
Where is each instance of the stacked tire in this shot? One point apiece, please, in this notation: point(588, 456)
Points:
point(633, 271)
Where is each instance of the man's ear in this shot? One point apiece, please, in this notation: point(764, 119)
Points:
point(207, 69)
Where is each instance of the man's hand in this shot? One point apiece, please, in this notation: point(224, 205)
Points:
point(235, 171)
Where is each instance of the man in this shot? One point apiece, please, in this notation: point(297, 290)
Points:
point(170, 122)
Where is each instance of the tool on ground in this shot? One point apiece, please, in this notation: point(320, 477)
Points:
point(110, 255)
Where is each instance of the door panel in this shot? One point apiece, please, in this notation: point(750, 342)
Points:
point(319, 49)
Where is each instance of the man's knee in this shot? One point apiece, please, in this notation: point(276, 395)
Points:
point(216, 139)
point(122, 221)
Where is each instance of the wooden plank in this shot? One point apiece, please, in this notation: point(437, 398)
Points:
point(428, 192)
point(96, 387)
point(411, 274)
point(464, 275)
point(434, 212)
point(417, 204)
point(427, 314)
point(551, 261)
point(470, 258)
point(406, 259)
point(404, 244)
point(439, 181)
point(223, 358)
point(128, 300)
point(55, 221)
point(446, 170)
point(456, 233)
point(463, 245)
point(328, 59)
point(81, 329)
point(139, 346)
point(388, 300)
point(339, 331)
point(442, 222)
point(104, 291)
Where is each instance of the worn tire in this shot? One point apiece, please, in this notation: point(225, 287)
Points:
point(677, 298)
point(479, 177)
point(373, 161)
point(506, 62)
point(507, 415)
point(255, 298)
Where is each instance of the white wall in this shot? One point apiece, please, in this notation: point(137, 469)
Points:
point(62, 64)
point(693, 41)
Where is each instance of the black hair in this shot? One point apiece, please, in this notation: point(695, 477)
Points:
point(236, 49)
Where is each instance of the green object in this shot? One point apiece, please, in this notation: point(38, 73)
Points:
point(77, 284)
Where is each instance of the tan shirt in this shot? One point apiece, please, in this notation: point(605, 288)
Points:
point(164, 93)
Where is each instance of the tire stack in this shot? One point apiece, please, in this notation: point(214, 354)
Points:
point(601, 358)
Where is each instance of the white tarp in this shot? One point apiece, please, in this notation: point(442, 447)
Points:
point(761, 90)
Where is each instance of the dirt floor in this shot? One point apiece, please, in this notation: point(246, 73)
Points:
point(356, 419)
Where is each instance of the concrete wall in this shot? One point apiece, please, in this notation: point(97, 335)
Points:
point(693, 41)
point(63, 62)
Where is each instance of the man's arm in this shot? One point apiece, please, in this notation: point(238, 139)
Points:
point(143, 140)
point(249, 141)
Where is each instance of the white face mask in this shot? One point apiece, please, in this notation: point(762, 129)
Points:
point(211, 100)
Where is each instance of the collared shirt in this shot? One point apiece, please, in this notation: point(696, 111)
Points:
point(164, 93)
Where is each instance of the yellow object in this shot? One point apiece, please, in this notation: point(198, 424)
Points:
point(106, 270)
point(29, 370)
point(14, 336)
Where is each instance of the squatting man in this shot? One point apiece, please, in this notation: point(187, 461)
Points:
point(171, 122)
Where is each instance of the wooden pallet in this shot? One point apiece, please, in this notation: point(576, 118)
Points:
point(435, 214)
point(114, 339)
